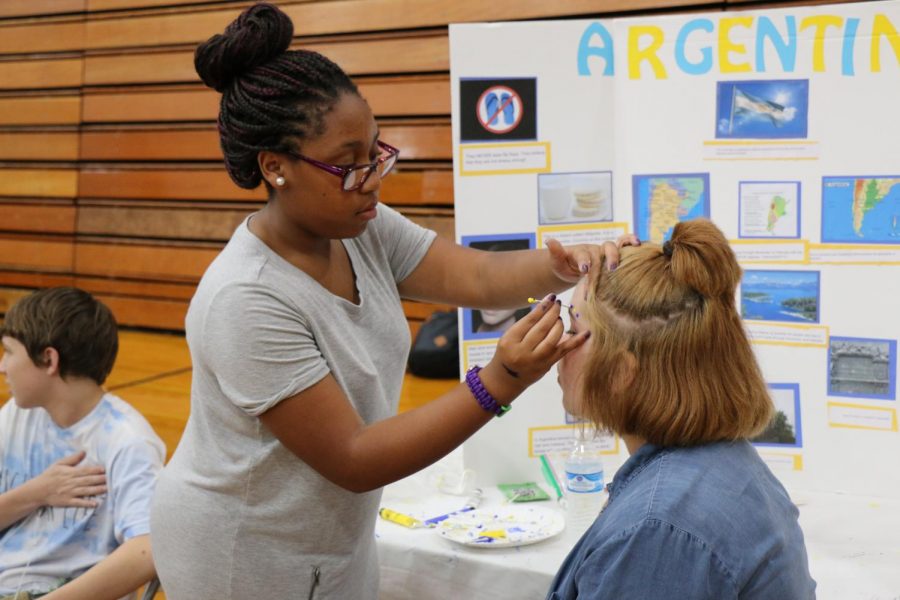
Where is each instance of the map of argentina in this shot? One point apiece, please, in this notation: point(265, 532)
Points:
point(861, 210)
point(777, 209)
point(769, 209)
point(662, 201)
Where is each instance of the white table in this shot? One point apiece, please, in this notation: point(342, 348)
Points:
point(853, 544)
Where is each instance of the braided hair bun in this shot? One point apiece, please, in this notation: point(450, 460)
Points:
point(273, 98)
point(259, 34)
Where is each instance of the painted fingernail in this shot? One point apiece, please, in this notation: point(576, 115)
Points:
point(637, 241)
point(613, 266)
point(587, 334)
point(585, 267)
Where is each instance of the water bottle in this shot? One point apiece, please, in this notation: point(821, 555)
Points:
point(584, 485)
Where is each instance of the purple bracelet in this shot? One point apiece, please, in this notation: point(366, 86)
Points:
point(484, 398)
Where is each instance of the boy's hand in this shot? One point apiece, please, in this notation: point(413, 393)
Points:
point(527, 351)
point(66, 484)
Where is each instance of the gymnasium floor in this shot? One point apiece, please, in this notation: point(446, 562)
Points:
point(153, 373)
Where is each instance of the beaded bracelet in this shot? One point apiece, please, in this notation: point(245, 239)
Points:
point(484, 398)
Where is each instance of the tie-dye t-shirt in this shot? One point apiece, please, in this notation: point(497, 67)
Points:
point(55, 543)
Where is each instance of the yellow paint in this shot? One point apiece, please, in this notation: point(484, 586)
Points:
point(636, 55)
point(496, 534)
point(726, 46)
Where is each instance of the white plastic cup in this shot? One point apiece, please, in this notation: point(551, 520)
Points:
point(555, 199)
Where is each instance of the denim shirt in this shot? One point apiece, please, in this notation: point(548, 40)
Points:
point(691, 523)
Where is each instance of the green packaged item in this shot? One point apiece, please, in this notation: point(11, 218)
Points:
point(523, 492)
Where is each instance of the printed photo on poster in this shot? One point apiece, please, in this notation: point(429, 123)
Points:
point(662, 201)
point(492, 323)
point(574, 197)
point(791, 296)
point(862, 368)
point(769, 109)
point(785, 427)
point(769, 209)
point(493, 110)
point(861, 210)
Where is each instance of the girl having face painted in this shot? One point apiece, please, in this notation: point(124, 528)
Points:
point(694, 512)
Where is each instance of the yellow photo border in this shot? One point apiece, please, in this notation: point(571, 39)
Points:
point(761, 143)
point(857, 247)
point(793, 326)
point(468, 344)
point(547, 229)
point(862, 407)
point(783, 242)
point(531, 431)
point(797, 459)
point(545, 169)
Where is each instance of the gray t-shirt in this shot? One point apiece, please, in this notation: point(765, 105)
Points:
point(236, 515)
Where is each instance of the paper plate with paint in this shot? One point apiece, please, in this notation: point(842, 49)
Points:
point(502, 528)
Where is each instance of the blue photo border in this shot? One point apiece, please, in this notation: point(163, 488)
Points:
point(467, 240)
point(635, 179)
point(731, 84)
point(892, 368)
point(856, 240)
point(770, 237)
point(798, 421)
point(612, 207)
point(818, 291)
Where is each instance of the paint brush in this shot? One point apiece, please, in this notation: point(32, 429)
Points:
point(471, 504)
point(538, 301)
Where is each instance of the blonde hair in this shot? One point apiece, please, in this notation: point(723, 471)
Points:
point(672, 307)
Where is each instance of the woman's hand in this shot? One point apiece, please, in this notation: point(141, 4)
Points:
point(527, 351)
point(570, 263)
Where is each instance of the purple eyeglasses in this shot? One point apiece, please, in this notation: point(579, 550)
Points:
point(353, 178)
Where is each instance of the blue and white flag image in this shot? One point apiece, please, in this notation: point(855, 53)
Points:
point(762, 109)
point(749, 106)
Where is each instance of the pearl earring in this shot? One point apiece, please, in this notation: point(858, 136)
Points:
point(279, 181)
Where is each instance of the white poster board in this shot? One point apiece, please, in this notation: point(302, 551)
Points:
point(779, 125)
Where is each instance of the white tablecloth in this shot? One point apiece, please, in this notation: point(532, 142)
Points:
point(853, 544)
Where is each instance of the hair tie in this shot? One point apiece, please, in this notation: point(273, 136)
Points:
point(668, 248)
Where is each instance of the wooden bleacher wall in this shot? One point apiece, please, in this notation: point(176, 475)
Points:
point(111, 176)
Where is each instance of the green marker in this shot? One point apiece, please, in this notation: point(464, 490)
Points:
point(550, 476)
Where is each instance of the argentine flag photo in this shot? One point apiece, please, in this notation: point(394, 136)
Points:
point(771, 109)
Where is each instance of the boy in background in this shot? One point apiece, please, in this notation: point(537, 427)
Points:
point(77, 465)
